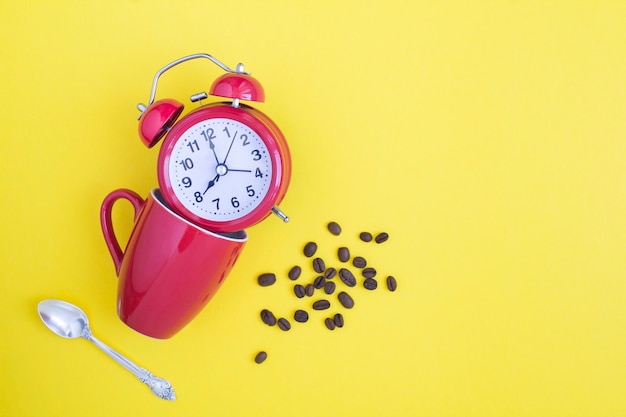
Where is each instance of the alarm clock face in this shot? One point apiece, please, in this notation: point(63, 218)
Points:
point(219, 169)
point(224, 168)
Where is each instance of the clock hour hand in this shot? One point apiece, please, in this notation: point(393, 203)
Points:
point(212, 183)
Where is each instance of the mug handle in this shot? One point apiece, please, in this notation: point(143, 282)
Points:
point(107, 225)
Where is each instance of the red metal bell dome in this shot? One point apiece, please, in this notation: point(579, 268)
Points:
point(157, 119)
point(238, 86)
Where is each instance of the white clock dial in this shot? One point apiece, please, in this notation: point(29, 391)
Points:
point(220, 169)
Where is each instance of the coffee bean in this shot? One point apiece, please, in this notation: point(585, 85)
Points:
point(266, 280)
point(359, 261)
point(330, 273)
point(260, 357)
point(284, 324)
point(329, 287)
point(299, 290)
point(318, 265)
point(345, 300)
point(381, 237)
point(346, 277)
point(319, 282)
point(338, 319)
point(369, 272)
point(330, 324)
point(334, 228)
point(301, 316)
point(268, 317)
point(309, 290)
point(391, 283)
point(343, 254)
point(321, 305)
point(310, 249)
point(294, 273)
point(370, 284)
point(365, 236)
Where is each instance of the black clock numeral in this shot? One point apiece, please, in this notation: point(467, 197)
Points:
point(258, 173)
point(256, 155)
point(234, 202)
point(187, 163)
point(186, 182)
point(193, 145)
point(250, 191)
point(198, 196)
point(217, 203)
point(208, 134)
point(245, 139)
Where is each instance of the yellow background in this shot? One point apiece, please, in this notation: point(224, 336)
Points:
point(487, 137)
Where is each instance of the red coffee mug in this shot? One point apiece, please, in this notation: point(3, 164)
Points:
point(170, 268)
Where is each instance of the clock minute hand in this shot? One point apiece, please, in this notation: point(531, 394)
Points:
point(212, 183)
point(212, 146)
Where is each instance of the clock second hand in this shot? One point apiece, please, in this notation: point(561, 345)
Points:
point(229, 148)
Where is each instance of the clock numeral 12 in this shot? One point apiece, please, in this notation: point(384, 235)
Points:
point(208, 134)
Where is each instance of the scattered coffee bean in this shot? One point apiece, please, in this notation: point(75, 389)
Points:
point(381, 237)
point(318, 265)
point(330, 324)
point(294, 273)
point(330, 273)
point(347, 277)
point(338, 319)
point(329, 287)
point(299, 290)
point(359, 261)
point(260, 357)
point(343, 254)
point(334, 228)
point(345, 300)
point(284, 324)
point(268, 317)
point(309, 290)
point(391, 283)
point(301, 316)
point(321, 305)
point(368, 272)
point(310, 249)
point(266, 280)
point(370, 284)
point(319, 282)
point(365, 236)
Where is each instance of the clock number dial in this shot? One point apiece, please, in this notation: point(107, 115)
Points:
point(201, 176)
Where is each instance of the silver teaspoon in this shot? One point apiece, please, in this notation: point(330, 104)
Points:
point(69, 321)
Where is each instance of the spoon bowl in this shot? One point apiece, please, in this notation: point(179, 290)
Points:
point(63, 318)
point(70, 322)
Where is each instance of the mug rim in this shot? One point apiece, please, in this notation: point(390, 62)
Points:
point(238, 236)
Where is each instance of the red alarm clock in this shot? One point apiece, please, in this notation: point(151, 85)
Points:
point(224, 166)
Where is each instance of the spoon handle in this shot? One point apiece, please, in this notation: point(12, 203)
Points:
point(159, 386)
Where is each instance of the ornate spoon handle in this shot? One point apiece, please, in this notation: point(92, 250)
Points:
point(159, 386)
